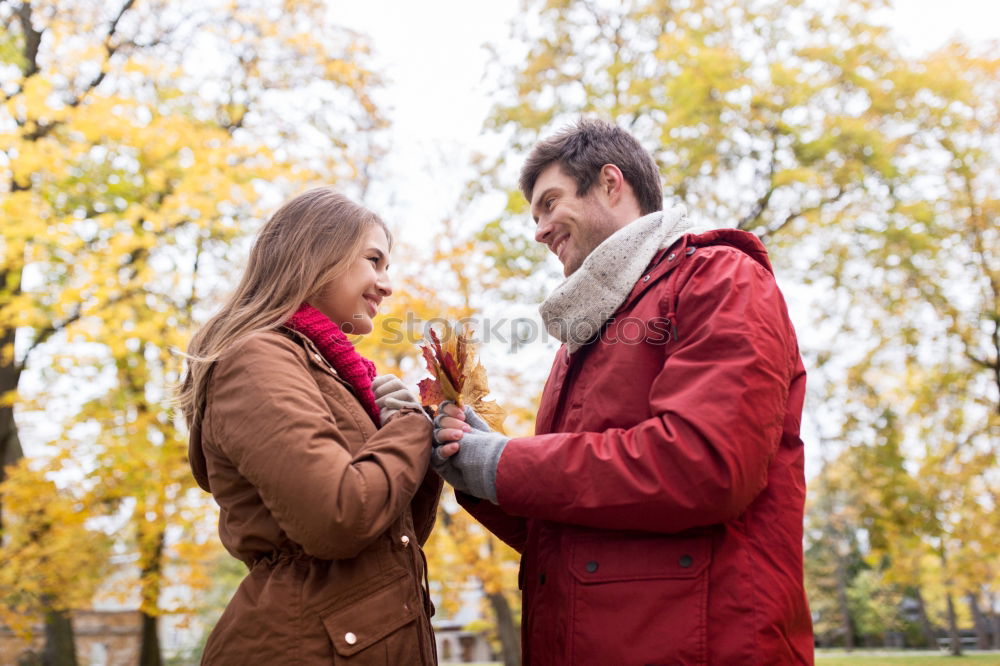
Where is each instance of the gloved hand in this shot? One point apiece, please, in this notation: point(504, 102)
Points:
point(448, 429)
point(391, 395)
point(473, 469)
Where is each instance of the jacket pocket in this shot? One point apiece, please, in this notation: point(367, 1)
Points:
point(379, 628)
point(640, 599)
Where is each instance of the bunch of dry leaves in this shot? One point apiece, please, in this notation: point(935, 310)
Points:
point(457, 375)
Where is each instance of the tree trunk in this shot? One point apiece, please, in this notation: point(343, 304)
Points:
point(59, 648)
point(10, 374)
point(995, 622)
point(979, 621)
point(149, 654)
point(845, 610)
point(930, 636)
point(510, 635)
point(955, 647)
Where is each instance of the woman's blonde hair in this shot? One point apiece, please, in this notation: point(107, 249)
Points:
point(309, 241)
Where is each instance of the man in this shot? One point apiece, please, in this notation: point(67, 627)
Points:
point(658, 508)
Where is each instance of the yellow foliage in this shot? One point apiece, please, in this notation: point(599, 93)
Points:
point(50, 558)
point(122, 197)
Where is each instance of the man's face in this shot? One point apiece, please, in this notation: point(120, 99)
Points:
point(572, 226)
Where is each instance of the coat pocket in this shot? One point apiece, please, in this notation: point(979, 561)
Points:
point(640, 599)
point(379, 628)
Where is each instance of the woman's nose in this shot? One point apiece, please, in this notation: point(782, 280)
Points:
point(384, 285)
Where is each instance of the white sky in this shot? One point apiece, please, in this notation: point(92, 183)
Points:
point(433, 58)
point(432, 54)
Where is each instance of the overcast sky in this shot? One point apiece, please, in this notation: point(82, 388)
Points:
point(432, 55)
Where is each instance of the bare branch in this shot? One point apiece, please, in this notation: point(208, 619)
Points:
point(32, 40)
point(109, 49)
point(799, 213)
point(761, 205)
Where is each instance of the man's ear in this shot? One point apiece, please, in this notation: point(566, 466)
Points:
point(612, 182)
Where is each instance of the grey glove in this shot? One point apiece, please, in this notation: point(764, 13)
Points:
point(447, 470)
point(473, 469)
point(445, 467)
point(391, 395)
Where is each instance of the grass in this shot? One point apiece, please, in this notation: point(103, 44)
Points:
point(863, 658)
point(871, 658)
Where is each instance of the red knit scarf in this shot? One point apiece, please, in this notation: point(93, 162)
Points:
point(339, 352)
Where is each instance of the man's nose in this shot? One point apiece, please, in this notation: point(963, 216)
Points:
point(543, 231)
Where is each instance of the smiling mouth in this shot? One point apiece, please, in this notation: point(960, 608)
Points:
point(559, 246)
point(372, 306)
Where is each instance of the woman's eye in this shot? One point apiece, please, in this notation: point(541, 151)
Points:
point(374, 260)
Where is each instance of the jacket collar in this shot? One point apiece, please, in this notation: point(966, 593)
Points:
point(667, 260)
point(579, 307)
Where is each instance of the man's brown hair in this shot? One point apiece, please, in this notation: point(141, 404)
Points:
point(582, 149)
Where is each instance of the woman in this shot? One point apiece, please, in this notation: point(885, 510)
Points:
point(325, 499)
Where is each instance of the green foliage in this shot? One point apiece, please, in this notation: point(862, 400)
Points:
point(838, 658)
point(873, 603)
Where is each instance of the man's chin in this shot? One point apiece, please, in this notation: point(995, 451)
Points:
point(570, 267)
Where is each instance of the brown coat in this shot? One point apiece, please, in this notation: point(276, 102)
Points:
point(326, 510)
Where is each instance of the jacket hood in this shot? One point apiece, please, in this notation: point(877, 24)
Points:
point(744, 241)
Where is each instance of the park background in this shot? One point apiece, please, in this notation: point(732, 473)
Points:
point(142, 142)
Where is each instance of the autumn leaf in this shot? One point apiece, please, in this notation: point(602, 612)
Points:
point(430, 392)
point(457, 375)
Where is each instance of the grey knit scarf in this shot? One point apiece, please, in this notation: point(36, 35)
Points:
point(577, 309)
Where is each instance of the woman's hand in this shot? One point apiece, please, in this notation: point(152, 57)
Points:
point(449, 426)
point(474, 471)
point(391, 396)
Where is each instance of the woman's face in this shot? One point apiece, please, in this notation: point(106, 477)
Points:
point(352, 299)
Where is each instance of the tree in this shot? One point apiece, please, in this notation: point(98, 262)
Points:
point(915, 288)
point(138, 140)
point(52, 560)
point(765, 116)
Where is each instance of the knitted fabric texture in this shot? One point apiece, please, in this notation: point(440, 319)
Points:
point(339, 352)
point(577, 309)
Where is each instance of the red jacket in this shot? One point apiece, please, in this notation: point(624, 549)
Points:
point(658, 509)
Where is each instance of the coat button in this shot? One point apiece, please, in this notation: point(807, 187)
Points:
point(672, 256)
point(405, 540)
point(689, 251)
point(645, 279)
point(685, 561)
point(350, 638)
point(591, 567)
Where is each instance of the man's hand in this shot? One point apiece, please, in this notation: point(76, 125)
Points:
point(467, 452)
point(391, 396)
